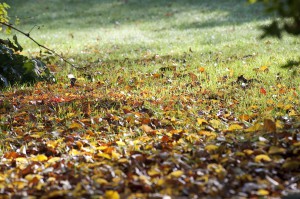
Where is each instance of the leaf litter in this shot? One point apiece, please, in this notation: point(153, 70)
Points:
point(120, 138)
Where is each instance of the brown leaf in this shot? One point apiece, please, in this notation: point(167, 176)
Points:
point(146, 128)
point(269, 125)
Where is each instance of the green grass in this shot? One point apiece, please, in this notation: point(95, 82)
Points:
point(113, 37)
point(164, 64)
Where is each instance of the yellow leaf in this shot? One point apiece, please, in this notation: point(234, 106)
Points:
point(201, 121)
point(263, 68)
point(153, 172)
point(110, 194)
point(160, 181)
point(120, 143)
point(32, 176)
point(248, 151)
point(39, 158)
point(219, 169)
point(255, 127)
point(52, 144)
point(173, 119)
point(279, 124)
point(115, 155)
point(262, 157)
point(215, 123)
point(53, 160)
point(20, 184)
point(234, 127)
point(69, 115)
point(75, 125)
point(288, 107)
point(104, 155)
point(101, 148)
point(292, 113)
point(176, 174)
point(101, 181)
point(211, 147)
point(21, 161)
point(262, 192)
point(207, 133)
point(74, 152)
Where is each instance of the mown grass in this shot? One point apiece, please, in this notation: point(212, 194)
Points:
point(161, 63)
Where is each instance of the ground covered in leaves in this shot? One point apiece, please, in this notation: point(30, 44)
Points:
point(123, 137)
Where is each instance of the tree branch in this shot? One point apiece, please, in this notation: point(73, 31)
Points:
point(37, 43)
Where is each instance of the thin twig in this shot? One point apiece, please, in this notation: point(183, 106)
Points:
point(37, 43)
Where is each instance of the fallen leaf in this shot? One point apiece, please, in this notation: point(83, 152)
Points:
point(234, 127)
point(110, 194)
point(276, 150)
point(263, 69)
point(263, 91)
point(75, 125)
point(211, 148)
point(263, 192)
point(146, 128)
point(201, 69)
point(269, 125)
point(262, 157)
point(201, 121)
point(176, 174)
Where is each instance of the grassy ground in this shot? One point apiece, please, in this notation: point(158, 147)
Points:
point(159, 103)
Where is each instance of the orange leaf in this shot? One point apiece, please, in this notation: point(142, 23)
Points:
point(263, 91)
point(201, 69)
point(244, 117)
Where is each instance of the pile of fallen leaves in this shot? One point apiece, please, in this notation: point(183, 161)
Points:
point(99, 140)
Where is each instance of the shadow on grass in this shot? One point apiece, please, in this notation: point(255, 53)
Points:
point(77, 14)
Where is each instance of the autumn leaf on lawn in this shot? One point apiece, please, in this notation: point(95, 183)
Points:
point(255, 127)
point(263, 91)
point(147, 128)
point(269, 125)
point(201, 69)
point(215, 123)
point(244, 117)
point(39, 158)
point(75, 125)
point(110, 194)
point(263, 192)
point(211, 147)
point(120, 143)
point(276, 150)
point(262, 157)
point(201, 121)
point(104, 155)
point(234, 127)
point(176, 174)
point(291, 165)
point(263, 69)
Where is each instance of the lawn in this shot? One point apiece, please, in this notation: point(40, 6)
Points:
point(173, 99)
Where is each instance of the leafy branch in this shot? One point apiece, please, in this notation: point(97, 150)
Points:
point(37, 43)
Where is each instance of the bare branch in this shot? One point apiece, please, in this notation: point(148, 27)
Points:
point(37, 43)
